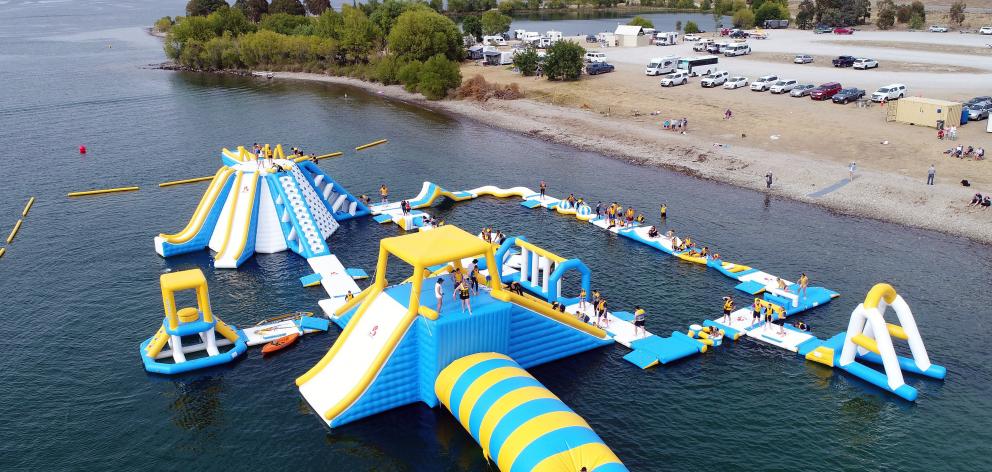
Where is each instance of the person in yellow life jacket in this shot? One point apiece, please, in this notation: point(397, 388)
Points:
point(582, 299)
point(728, 306)
point(464, 293)
point(383, 194)
point(640, 218)
point(664, 211)
point(348, 297)
point(630, 216)
point(639, 317)
point(601, 319)
point(456, 280)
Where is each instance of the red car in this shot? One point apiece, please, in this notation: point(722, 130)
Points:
point(825, 91)
point(843, 31)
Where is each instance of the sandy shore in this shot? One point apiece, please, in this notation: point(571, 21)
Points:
point(875, 192)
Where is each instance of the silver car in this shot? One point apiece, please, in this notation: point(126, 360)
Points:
point(802, 90)
point(803, 59)
point(979, 112)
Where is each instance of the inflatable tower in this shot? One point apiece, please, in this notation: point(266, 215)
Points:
point(198, 324)
point(267, 206)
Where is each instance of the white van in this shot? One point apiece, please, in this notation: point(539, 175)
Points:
point(889, 92)
point(593, 56)
point(661, 65)
point(738, 49)
point(493, 41)
point(553, 36)
point(519, 33)
point(530, 37)
point(668, 38)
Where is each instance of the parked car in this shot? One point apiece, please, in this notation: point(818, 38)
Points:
point(739, 49)
point(764, 83)
point(889, 92)
point(825, 91)
point(690, 37)
point(801, 90)
point(978, 101)
point(783, 86)
point(714, 79)
point(979, 112)
point(937, 29)
point(594, 68)
point(985, 30)
point(594, 56)
point(739, 34)
point(848, 95)
point(843, 30)
point(864, 63)
point(842, 61)
point(591, 38)
point(735, 82)
point(803, 59)
point(675, 78)
point(714, 48)
point(822, 30)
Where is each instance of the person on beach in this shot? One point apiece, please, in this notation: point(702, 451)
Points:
point(931, 173)
point(986, 203)
point(383, 194)
point(756, 311)
point(439, 294)
point(543, 186)
point(639, 316)
point(768, 180)
point(464, 292)
point(976, 200)
point(728, 114)
point(803, 284)
point(728, 306)
point(851, 168)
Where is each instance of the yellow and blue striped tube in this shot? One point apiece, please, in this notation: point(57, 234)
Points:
point(519, 423)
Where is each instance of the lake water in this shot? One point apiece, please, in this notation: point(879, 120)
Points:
point(79, 286)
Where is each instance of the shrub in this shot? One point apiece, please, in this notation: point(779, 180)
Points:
point(916, 21)
point(641, 21)
point(769, 11)
point(359, 36)
point(164, 24)
point(564, 61)
point(477, 88)
point(903, 13)
point(691, 27)
point(420, 34)
point(472, 25)
point(687, 5)
point(438, 75)
point(387, 69)
point(527, 61)
point(204, 7)
point(409, 75)
point(886, 16)
point(705, 5)
point(329, 24)
point(283, 23)
point(743, 18)
point(957, 12)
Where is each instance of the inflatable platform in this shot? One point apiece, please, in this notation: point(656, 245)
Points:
point(257, 206)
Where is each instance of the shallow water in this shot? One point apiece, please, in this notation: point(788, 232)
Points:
point(79, 285)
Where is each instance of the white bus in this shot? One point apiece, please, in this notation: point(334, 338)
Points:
point(700, 65)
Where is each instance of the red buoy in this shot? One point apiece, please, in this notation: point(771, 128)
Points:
point(82, 149)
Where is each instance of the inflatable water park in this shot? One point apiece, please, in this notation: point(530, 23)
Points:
point(401, 343)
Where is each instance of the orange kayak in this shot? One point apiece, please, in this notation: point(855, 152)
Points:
point(280, 343)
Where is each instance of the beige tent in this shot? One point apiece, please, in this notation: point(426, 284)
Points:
point(630, 36)
point(921, 111)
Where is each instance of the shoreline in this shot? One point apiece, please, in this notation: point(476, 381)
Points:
point(880, 196)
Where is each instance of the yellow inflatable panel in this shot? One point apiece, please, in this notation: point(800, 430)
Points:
point(823, 355)
point(880, 292)
point(865, 342)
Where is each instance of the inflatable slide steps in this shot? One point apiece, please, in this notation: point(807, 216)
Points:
point(343, 205)
point(520, 425)
point(303, 232)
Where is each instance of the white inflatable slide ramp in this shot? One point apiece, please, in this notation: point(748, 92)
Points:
point(345, 373)
point(238, 224)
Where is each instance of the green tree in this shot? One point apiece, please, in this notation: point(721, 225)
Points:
point(316, 7)
point(328, 24)
point(422, 33)
point(409, 75)
point(687, 5)
point(705, 5)
point(359, 36)
point(641, 21)
point(387, 69)
point(283, 23)
point(769, 11)
point(903, 13)
point(886, 17)
point(919, 9)
point(957, 13)
point(204, 7)
point(386, 14)
point(494, 22)
point(187, 30)
point(916, 22)
point(527, 61)
point(472, 25)
point(164, 24)
point(292, 7)
point(533, 4)
point(230, 20)
point(438, 75)
point(743, 18)
point(253, 9)
point(805, 13)
point(691, 27)
point(506, 7)
point(564, 61)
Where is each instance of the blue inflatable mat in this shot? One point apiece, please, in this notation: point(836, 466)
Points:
point(357, 273)
point(623, 315)
point(310, 280)
point(309, 322)
point(382, 218)
point(531, 203)
point(750, 287)
point(641, 358)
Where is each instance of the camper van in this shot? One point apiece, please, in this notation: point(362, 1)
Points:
point(661, 65)
point(519, 33)
point(498, 58)
point(531, 37)
point(668, 38)
point(700, 65)
point(493, 41)
point(553, 36)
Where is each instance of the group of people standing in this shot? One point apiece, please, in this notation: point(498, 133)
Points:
point(488, 236)
point(466, 284)
point(617, 216)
